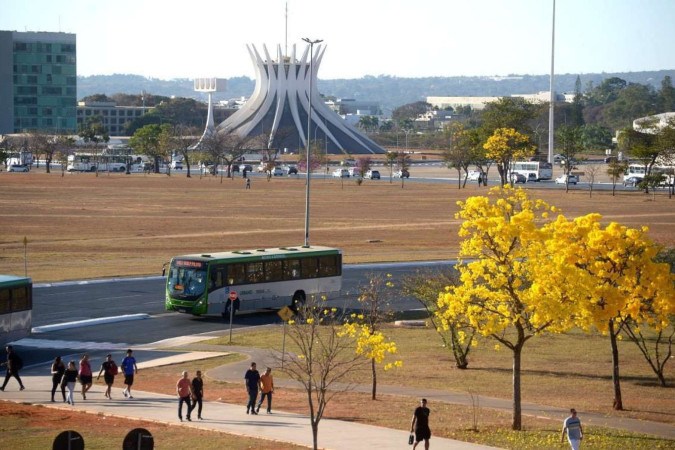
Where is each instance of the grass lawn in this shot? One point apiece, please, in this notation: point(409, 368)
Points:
point(81, 226)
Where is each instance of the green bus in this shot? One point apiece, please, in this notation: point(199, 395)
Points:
point(260, 278)
point(16, 306)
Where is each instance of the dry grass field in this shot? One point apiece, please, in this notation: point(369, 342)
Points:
point(81, 226)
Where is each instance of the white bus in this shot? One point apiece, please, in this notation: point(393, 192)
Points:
point(260, 278)
point(639, 170)
point(533, 170)
point(91, 162)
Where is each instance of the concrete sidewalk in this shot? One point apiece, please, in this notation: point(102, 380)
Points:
point(224, 417)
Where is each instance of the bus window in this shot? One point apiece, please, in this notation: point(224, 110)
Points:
point(20, 299)
point(4, 301)
point(310, 268)
point(273, 271)
point(254, 272)
point(328, 266)
point(236, 273)
point(291, 269)
point(217, 277)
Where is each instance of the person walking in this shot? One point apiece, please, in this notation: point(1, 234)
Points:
point(266, 390)
point(129, 368)
point(184, 391)
point(86, 376)
point(109, 370)
point(420, 424)
point(198, 393)
point(58, 368)
point(248, 183)
point(572, 427)
point(252, 378)
point(13, 364)
point(69, 379)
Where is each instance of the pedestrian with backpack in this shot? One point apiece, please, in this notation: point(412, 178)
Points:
point(109, 370)
point(14, 363)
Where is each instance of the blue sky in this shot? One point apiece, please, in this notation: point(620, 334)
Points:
point(178, 39)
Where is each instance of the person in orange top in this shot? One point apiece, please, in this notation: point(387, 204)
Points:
point(266, 389)
point(184, 390)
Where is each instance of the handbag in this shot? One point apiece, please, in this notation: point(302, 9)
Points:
point(411, 439)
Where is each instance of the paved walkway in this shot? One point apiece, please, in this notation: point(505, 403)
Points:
point(234, 373)
point(288, 427)
point(224, 417)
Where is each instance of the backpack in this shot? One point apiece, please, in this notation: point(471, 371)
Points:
point(112, 368)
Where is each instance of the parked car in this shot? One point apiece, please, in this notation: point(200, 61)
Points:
point(235, 168)
point(632, 181)
point(277, 172)
point(292, 170)
point(518, 178)
point(402, 173)
point(373, 174)
point(532, 177)
point(565, 179)
point(18, 168)
point(248, 168)
point(558, 157)
point(611, 159)
point(341, 173)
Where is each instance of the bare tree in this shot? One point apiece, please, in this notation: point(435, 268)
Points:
point(592, 171)
point(183, 139)
point(226, 147)
point(324, 357)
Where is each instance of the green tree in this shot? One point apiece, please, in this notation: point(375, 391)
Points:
point(410, 111)
point(596, 137)
point(508, 112)
point(458, 150)
point(615, 169)
point(569, 143)
point(666, 95)
point(151, 140)
point(577, 112)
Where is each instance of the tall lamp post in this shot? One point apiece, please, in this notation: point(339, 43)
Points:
point(309, 124)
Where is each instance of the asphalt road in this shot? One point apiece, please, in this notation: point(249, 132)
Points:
point(59, 303)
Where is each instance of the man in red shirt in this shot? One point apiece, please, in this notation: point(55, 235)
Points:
point(184, 390)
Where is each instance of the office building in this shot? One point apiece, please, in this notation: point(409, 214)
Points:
point(38, 82)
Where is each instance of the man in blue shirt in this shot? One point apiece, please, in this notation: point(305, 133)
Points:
point(575, 433)
point(129, 368)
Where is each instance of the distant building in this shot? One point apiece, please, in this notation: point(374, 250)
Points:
point(480, 102)
point(279, 110)
point(113, 118)
point(38, 82)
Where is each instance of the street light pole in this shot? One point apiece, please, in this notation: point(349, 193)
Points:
point(309, 125)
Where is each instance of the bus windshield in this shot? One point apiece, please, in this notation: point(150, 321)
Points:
point(187, 279)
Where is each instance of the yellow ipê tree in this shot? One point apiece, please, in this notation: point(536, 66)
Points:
point(619, 285)
point(529, 274)
point(504, 146)
point(500, 293)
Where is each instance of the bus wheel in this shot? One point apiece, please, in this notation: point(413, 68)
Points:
point(298, 301)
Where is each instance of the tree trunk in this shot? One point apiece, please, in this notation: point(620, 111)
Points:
point(618, 404)
point(517, 412)
point(372, 366)
point(315, 434)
